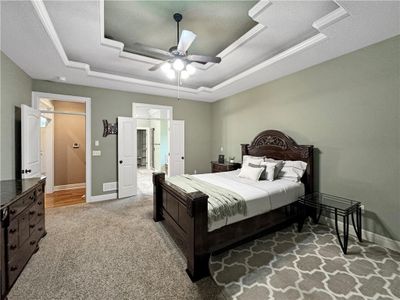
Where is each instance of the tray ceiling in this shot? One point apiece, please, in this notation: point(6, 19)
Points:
point(275, 38)
point(151, 23)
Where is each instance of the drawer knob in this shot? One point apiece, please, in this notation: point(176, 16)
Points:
point(32, 212)
point(39, 203)
point(40, 214)
point(33, 242)
point(13, 230)
point(31, 197)
point(14, 268)
point(13, 247)
point(32, 226)
point(12, 211)
point(40, 228)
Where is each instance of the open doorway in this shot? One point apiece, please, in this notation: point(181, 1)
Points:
point(153, 135)
point(63, 151)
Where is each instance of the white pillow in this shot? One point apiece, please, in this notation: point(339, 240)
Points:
point(278, 167)
point(269, 170)
point(251, 173)
point(293, 170)
point(255, 160)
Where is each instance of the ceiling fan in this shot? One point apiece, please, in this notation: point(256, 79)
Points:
point(176, 59)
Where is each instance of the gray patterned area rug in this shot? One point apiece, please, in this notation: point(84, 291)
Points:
point(307, 265)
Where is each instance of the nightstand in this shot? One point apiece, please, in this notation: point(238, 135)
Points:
point(225, 167)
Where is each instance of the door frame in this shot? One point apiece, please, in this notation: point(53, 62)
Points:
point(49, 151)
point(36, 96)
point(155, 106)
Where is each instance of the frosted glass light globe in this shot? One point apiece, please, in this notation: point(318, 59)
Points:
point(184, 74)
point(165, 67)
point(191, 70)
point(178, 65)
point(170, 74)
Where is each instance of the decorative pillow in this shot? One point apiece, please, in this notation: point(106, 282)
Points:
point(278, 166)
point(255, 160)
point(268, 170)
point(293, 170)
point(251, 173)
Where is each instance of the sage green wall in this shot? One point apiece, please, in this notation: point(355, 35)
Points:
point(348, 108)
point(109, 104)
point(16, 89)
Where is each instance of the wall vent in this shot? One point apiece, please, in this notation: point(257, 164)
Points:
point(109, 186)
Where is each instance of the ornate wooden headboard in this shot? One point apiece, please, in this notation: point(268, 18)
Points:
point(277, 145)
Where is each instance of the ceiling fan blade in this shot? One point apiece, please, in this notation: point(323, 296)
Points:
point(155, 67)
point(204, 59)
point(186, 39)
point(149, 51)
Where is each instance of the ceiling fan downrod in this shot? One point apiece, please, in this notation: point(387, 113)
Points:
point(177, 18)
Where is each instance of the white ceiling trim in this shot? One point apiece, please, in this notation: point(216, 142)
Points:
point(44, 17)
point(319, 24)
point(144, 59)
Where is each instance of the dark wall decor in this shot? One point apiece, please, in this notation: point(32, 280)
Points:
point(109, 128)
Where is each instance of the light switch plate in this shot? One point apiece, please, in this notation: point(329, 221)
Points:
point(96, 153)
point(96, 143)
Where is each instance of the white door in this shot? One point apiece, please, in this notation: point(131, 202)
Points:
point(177, 148)
point(127, 160)
point(30, 141)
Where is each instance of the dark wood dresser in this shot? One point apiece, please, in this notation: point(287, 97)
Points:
point(22, 226)
point(224, 167)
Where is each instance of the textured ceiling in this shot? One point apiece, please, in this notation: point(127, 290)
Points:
point(66, 38)
point(216, 23)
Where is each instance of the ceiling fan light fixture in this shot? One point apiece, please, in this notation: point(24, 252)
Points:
point(184, 74)
point(170, 74)
point(190, 69)
point(166, 67)
point(178, 64)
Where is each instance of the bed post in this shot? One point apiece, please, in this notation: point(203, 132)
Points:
point(158, 178)
point(197, 249)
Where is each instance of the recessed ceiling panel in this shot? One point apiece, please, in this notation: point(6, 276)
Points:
point(216, 23)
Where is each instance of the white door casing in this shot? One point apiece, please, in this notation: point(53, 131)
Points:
point(30, 142)
point(127, 157)
point(177, 148)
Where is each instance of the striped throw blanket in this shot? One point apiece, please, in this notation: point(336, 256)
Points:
point(222, 203)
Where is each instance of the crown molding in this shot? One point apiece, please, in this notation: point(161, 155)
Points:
point(189, 93)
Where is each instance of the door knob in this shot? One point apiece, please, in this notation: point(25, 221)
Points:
point(120, 161)
point(182, 157)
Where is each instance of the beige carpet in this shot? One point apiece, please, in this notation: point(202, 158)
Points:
point(109, 250)
point(114, 250)
point(307, 265)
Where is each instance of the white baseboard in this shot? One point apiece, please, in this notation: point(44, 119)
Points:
point(104, 197)
point(367, 235)
point(69, 186)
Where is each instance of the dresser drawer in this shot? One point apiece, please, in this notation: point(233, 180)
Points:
point(18, 260)
point(36, 213)
point(18, 206)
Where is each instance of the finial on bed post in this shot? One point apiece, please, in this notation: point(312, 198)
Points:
point(158, 178)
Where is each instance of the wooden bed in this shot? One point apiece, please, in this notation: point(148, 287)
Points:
point(184, 215)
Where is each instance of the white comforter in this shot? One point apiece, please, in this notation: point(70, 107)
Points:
point(261, 196)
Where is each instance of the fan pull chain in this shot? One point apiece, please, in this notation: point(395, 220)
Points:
point(179, 84)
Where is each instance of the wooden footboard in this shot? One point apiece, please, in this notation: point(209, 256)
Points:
point(184, 215)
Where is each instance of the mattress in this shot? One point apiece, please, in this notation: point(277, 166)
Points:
point(260, 196)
